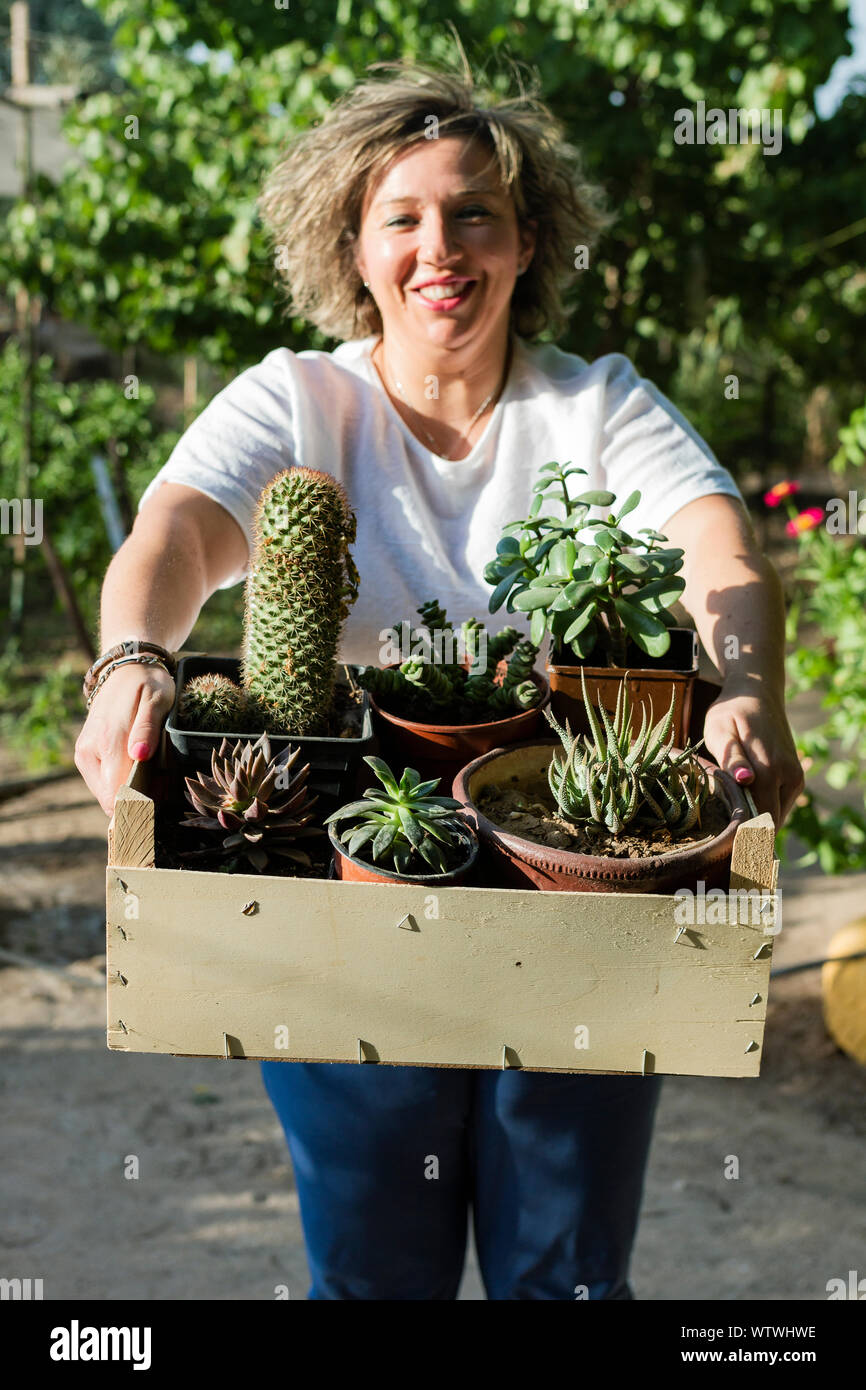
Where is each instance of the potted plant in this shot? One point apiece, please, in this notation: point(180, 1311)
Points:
point(607, 598)
point(301, 583)
point(617, 813)
point(455, 696)
point(253, 811)
point(401, 833)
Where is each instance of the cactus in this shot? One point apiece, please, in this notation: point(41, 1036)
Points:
point(301, 584)
point(214, 704)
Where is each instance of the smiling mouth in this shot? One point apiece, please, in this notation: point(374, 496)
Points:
point(445, 296)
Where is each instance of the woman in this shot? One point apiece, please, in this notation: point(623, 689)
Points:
point(434, 236)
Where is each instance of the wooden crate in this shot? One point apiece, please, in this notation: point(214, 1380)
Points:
point(251, 966)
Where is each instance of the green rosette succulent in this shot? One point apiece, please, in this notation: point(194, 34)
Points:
point(401, 826)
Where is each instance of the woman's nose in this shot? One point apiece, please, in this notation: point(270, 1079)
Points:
point(438, 241)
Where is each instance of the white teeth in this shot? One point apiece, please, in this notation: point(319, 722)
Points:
point(441, 291)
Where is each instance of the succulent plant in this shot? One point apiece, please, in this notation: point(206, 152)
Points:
point(402, 825)
point(257, 803)
point(614, 781)
point(424, 686)
point(617, 587)
point(431, 678)
point(301, 584)
point(211, 703)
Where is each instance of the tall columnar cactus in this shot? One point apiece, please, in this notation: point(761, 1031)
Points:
point(301, 584)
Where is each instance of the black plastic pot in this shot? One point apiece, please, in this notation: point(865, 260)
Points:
point(335, 763)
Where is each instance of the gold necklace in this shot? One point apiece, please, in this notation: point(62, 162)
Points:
point(483, 406)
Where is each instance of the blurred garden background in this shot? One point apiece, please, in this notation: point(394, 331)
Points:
point(135, 280)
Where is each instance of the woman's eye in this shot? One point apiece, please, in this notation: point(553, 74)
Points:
point(473, 211)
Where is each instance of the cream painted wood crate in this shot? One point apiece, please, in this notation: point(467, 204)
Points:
point(251, 966)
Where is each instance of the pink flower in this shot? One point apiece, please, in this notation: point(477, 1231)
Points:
point(805, 521)
point(780, 491)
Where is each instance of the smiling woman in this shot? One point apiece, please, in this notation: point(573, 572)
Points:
point(440, 222)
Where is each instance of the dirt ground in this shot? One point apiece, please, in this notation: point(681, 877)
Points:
point(214, 1214)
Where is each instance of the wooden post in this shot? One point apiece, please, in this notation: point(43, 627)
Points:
point(131, 841)
point(752, 862)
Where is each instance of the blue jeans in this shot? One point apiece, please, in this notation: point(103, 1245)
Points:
point(388, 1160)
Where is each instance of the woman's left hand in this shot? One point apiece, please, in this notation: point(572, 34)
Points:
point(749, 731)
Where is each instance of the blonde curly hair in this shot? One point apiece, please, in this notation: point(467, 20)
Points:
point(312, 200)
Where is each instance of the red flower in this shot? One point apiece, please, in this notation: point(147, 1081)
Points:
point(805, 521)
point(780, 491)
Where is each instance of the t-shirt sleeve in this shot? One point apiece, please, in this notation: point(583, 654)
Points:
point(238, 443)
point(649, 445)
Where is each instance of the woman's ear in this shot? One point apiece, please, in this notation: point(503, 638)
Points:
point(358, 259)
point(527, 232)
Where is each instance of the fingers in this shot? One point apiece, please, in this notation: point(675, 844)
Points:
point(752, 768)
point(154, 704)
point(123, 726)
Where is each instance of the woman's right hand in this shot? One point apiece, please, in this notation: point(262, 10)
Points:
point(122, 726)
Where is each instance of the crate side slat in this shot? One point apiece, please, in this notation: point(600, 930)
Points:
point(328, 963)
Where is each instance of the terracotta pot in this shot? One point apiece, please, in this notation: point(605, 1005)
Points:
point(526, 865)
point(652, 684)
point(354, 870)
point(440, 750)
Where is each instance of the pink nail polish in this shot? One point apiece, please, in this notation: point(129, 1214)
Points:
point(742, 774)
point(140, 752)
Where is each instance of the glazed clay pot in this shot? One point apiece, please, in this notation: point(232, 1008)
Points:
point(351, 869)
point(440, 750)
point(524, 864)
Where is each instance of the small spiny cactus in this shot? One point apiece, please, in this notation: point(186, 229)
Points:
point(214, 704)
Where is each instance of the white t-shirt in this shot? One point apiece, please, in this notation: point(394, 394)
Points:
point(427, 527)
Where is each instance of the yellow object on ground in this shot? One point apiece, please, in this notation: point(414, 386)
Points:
point(843, 985)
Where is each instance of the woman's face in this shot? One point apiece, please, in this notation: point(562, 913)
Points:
point(440, 245)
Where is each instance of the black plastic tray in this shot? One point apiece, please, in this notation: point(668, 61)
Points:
point(335, 763)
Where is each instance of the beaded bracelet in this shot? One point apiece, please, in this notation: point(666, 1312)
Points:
point(132, 646)
point(140, 660)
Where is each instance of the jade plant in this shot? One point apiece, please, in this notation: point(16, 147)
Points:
point(301, 584)
point(401, 826)
point(434, 683)
point(588, 594)
point(613, 781)
point(257, 805)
